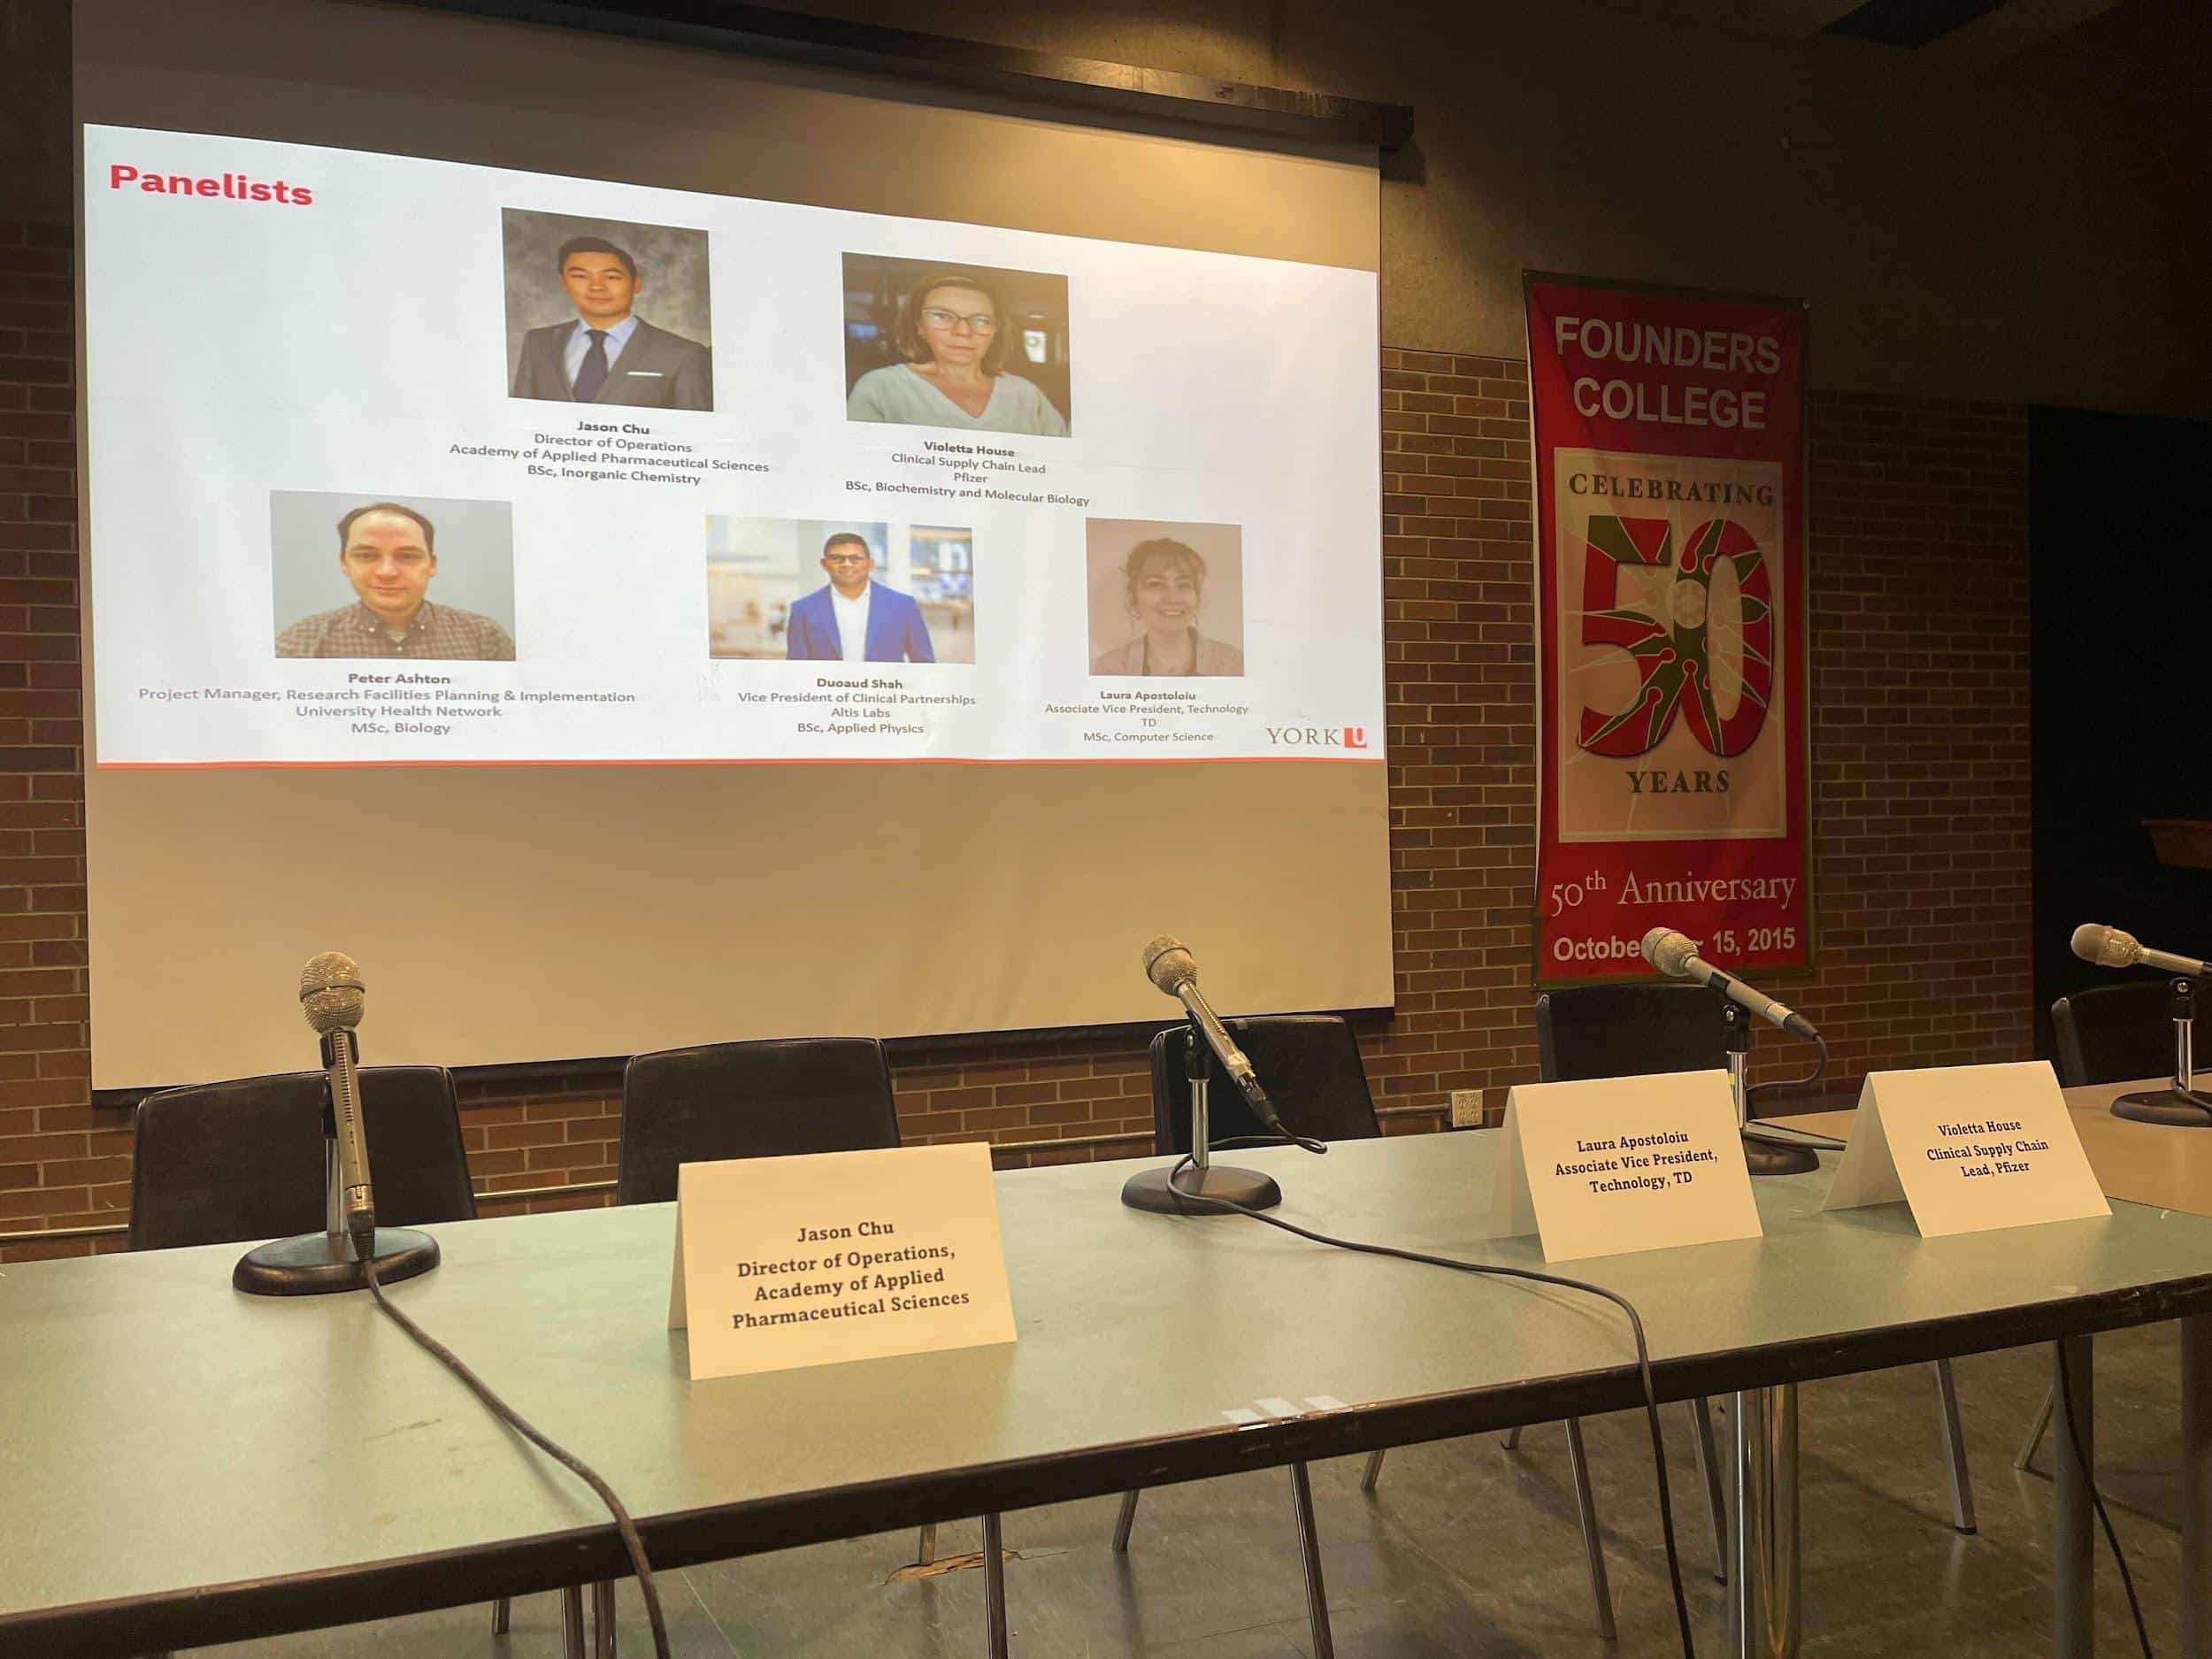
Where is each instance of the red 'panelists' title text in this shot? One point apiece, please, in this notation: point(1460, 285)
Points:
point(237, 186)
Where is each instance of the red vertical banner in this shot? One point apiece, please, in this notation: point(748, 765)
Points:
point(1672, 726)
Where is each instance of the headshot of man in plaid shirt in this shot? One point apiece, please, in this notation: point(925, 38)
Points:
point(389, 553)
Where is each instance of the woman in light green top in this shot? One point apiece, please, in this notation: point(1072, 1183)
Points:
point(953, 334)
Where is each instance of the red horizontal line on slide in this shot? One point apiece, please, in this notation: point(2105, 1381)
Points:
point(885, 760)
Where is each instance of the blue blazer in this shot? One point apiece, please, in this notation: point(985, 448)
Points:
point(896, 631)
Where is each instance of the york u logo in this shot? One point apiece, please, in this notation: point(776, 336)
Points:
point(1317, 736)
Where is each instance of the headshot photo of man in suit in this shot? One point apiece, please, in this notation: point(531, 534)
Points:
point(388, 553)
point(604, 352)
point(854, 619)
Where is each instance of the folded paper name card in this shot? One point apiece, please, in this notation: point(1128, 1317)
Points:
point(1969, 1148)
point(1623, 1163)
point(838, 1255)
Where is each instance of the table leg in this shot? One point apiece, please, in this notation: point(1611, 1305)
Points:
point(1702, 1444)
point(1954, 1449)
point(993, 1588)
point(1763, 1602)
point(1374, 1473)
point(2025, 1456)
point(1310, 1553)
point(1593, 1542)
point(572, 1621)
point(1124, 1522)
point(603, 1620)
point(2074, 1534)
point(2196, 1487)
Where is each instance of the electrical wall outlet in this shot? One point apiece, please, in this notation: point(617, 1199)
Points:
point(1466, 1109)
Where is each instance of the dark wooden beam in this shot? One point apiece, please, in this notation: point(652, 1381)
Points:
point(1076, 83)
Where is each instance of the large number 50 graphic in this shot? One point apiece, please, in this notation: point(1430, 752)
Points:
point(1693, 623)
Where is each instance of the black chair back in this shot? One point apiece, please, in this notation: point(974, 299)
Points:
point(750, 1100)
point(1309, 1064)
point(1628, 1031)
point(223, 1163)
point(2115, 1033)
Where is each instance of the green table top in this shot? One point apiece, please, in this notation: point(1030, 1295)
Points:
point(184, 1463)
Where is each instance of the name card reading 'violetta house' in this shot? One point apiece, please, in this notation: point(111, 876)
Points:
point(1968, 1147)
point(838, 1255)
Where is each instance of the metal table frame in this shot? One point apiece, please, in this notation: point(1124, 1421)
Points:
point(565, 1313)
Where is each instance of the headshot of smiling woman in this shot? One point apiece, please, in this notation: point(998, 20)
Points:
point(953, 335)
point(1164, 587)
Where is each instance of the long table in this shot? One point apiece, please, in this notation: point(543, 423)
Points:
point(183, 1464)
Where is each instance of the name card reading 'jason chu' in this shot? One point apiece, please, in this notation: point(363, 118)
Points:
point(1623, 1163)
point(1969, 1148)
point(838, 1255)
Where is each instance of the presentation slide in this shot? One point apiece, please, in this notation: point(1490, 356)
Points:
point(580, 465)
point(402, 461)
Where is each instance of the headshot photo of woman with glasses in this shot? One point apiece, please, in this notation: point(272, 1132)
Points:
point(954, 339)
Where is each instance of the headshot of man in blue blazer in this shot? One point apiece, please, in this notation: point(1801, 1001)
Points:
point(854, 620)
point(609, 354)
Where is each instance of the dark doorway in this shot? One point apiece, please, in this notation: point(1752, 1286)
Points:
point(2120, 554)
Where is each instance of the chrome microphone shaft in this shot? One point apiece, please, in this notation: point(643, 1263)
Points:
point(1224, 1046)
point(357, 1194)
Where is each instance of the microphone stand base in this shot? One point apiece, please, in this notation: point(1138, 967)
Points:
point(2184, 1109)
point(317, 1264)
point(1765, 1157)
point(1148, 1189)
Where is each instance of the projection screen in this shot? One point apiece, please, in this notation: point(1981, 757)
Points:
point(639, 546)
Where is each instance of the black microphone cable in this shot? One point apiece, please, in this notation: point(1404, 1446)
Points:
point(1232, 1143)
point(1776, 1134)
point(2096, 1498)
point(1777, 1085)
point(530, 1431)
point(1275, 1136)
point(1496, 1270)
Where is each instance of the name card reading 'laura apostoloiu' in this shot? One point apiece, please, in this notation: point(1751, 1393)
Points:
point(1623, 1163)
point(838, 1255)
point(1969, 1148)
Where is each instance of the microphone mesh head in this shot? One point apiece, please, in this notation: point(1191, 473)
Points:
point(2107, 947)
point(1668, 951)
point(330, 992)
point(1168, 964)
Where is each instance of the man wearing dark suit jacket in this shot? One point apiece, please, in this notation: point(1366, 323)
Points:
point(610, 354)
point(854, 620)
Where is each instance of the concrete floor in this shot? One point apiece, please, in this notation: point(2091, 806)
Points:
point(1466, 1551)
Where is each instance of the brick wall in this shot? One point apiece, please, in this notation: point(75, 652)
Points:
point(58, 1165)
point(1921, 850)
point(1920, 786)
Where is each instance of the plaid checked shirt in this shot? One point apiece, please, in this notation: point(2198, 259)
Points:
point(438, 632)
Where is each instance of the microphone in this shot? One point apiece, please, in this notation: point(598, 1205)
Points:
point(1675, 955)
point(2109, 947)
point(352, 1250)
point(1168, 964)
point(331, 997)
